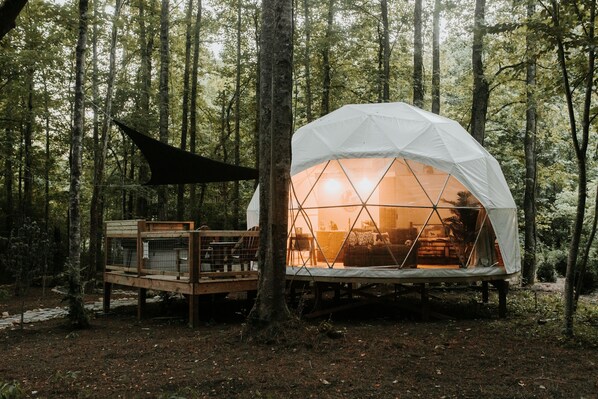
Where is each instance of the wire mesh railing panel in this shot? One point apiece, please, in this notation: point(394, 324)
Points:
point(166, 254)
point(122, 252)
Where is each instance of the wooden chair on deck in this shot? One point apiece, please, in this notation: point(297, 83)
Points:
point(245, 251)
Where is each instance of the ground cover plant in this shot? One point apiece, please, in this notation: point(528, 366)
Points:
point(380, 350)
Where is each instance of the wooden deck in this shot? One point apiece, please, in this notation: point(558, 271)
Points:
point(173, 257)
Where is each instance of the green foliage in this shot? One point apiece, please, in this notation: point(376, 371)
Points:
point(546, 272)
point(11, 390)
point(26, 254)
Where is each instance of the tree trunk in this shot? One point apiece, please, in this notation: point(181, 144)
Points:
point(236, 188)
point(28, 150)
point(258, 108)
point(418, 61)
point(145, 47)
point(481, 88)
point(180, 203)
point(580, 148)
point(193, 114)
point(8, 177)
point(385, 53)
point(529, 201)
point(307, 62)
point(436, 58)
point(77, 313)
point(325, 107)
point(97, 197)
point(164, 100)
point(275, 154)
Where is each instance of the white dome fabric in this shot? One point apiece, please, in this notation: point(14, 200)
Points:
point(399, 130)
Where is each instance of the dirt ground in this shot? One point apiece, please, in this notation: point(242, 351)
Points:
point(378, 350)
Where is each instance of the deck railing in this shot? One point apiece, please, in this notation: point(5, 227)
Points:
point(176, 249)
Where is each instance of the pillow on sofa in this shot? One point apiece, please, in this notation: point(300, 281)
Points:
point(365, 238)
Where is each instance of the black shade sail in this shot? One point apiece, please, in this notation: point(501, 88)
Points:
point(171, 165)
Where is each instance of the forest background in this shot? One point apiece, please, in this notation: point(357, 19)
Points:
point(187, 72)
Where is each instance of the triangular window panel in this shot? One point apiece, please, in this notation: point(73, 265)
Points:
point(431, 179)
point(302, 185)
point(333, 189)
point(400, 187)
point(462, 228)
point(365, 174)
point(455, 195)
point(334, 225)
point(301, 245)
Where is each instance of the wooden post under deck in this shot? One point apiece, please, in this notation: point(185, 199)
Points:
point(107, 293)
point(141, 303)
point(484, 291)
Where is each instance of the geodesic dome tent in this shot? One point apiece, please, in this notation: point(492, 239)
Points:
point(390, 186)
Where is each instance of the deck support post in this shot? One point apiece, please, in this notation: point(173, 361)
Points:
point(503, 288)
point(193, 311)
point(141, 303)
point(425, 302)
point(484, 291)
point(107, 294)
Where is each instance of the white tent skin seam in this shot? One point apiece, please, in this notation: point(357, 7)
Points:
point(402, 131)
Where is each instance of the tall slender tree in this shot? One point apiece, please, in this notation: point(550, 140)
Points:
point(481, 87)
point(326, 67)
point(529, 201)
point(77, 313)
point(97, 196)
point(436, 58)
point(586, 19)
point(307, 61)
point(193, 102)
point(180, 204)
point(385, 52)
point(164, 96)
point(237, 152)
point(418, 60)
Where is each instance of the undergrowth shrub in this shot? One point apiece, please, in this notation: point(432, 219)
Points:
point(546, 272)
point(10, 390)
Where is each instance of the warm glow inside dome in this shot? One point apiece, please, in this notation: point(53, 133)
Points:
point(374, 212)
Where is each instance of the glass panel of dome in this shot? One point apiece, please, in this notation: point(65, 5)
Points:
point(303, 183)
point(333, 189)
point(431, 179)
point(462, 228)
point(400, 187)
point(334, 224)
point(456, 195)
point(365, 173)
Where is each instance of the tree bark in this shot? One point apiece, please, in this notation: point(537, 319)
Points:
point(481, 88)
point(529, 201)
point(436, 58)
point(97, 197)
point(76, 309)
point(418, 61)
point(326, 79)
point(164, 100)
point(275, 153)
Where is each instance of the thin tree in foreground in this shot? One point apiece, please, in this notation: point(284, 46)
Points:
point(275, 158)
point(585, 18)
point(77, 313)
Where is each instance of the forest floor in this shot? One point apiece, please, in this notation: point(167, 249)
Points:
point(378, 350)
